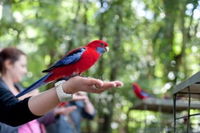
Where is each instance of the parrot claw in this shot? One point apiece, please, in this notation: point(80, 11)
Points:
point(94, 87)
point(67, 78)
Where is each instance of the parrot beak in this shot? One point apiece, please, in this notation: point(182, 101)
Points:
point(107, 49)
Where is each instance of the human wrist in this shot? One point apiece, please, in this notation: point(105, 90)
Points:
point(62, 95)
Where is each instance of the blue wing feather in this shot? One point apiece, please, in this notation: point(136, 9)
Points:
point(68, 59)
point(144, 93)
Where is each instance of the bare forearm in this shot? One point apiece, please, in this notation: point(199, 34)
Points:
point(42, 103)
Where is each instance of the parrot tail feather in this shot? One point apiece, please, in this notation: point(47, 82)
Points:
point(35, 85)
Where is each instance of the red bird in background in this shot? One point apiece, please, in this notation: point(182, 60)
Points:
point(73, 63)
point(139, 92)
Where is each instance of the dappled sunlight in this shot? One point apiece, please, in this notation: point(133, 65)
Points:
point(154, 43)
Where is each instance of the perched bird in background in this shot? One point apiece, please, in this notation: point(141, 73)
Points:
point(139, 92)
point(73, 63)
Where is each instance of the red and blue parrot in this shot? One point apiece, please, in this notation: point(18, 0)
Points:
point(139, 92)
point(73, 63)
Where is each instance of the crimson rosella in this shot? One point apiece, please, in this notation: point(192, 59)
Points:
point(139, 92)
point(73, 63)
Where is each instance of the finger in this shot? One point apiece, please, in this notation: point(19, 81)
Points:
point(91, 90)
point(81, 93)
point(94, 87)
point(109, 84)
point(118, 83)
point(68, 110)
point(71, 108)
point(106, 86)
point(98, 83)
point(77, 98)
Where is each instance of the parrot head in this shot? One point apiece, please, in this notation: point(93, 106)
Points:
point(99, 45)
point(135, 86)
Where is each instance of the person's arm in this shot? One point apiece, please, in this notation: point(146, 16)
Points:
point(16, 112)
point(88, 111)
point(52, 116)
point(42, 103)
point(47, 100)
point(13, 111)
point(89, 108)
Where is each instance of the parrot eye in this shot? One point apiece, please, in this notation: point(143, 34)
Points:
point(101, 44)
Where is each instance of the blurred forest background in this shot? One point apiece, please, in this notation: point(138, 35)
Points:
point(153, 42)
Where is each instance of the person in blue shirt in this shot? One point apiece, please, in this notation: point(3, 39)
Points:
point(72, 122)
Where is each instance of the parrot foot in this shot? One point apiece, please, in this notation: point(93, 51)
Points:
point(67, 78)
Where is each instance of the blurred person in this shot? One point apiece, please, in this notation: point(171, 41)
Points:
point(6, 80)
point(72, 123)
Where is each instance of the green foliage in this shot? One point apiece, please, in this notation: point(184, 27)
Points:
point(152, 42)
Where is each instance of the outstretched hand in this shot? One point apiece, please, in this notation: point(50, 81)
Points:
point(86, 84)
